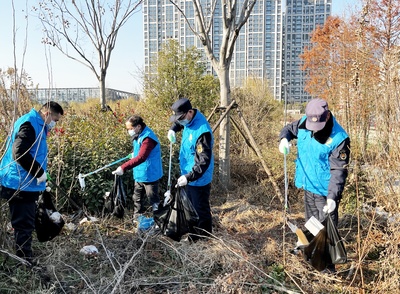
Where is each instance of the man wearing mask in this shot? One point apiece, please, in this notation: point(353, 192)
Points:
point(323, 151)
point(23, 171)
point(196, 160)
point(146, 164)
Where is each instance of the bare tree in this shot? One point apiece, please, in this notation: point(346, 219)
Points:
point(75, 24)
point(232, 21)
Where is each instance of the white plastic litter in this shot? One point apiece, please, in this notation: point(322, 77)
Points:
point(10, 228)
point(314, 225)
point(70, 226)
point(89, 250)
point(55, 217)
point(88, 219)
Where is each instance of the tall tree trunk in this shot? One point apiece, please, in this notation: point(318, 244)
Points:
point(224, 129)
point(103, 99)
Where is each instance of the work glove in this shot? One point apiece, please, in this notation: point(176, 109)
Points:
point(171, 136)
point(330, 206)
point(48, 188)
point(284, 147)
point(182, 181)
point(119, 171)
point(167, 197)
point(42, 178)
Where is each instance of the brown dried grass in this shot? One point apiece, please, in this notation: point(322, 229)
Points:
point(248, 254)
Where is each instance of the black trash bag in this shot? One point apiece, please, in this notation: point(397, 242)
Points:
point(326, 247)
point(335, 244)
point(190, 212)
point(177, 218)
point(161, 215)
point(115, 202)
point(46, 228)
point(317, 253)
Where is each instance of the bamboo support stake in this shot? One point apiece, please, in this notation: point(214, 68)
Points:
point(235, 124)
point(223, 115)
point(212, 112)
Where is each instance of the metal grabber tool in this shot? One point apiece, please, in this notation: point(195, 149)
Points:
point(81, 177)
point(168, 200)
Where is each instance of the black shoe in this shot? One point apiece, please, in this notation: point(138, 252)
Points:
point(298, 250)
point(329, 270)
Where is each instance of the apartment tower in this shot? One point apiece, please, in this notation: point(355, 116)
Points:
point(267, 47)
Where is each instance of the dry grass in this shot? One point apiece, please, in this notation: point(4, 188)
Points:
point(248, 254)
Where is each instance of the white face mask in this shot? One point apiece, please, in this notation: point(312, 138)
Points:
point(131, 132)
point(51, 125)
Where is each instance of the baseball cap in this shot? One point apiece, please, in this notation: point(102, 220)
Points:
point(316, 112)
point(179, 108)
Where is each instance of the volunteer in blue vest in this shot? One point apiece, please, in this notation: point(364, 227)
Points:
point(196, 160)
point(146, 164)
point(323, 151)
point(23, 171)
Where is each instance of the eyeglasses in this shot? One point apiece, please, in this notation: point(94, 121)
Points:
point(182, 116)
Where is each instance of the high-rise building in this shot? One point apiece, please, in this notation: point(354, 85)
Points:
point(268, 45)
point(301, 18)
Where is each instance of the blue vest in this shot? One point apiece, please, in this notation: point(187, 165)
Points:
point(312, 163)
point(151, 169)
point(191, 132)
point(13, 176)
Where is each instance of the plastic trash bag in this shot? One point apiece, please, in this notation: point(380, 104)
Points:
point(316, 252)
point(48, 221)
point(326, 247)
point(335, 244)
point(115, 201)
point(89, 250)
point(145, 223)
point(177, 218)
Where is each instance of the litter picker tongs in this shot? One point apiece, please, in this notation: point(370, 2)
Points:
point(81, 177)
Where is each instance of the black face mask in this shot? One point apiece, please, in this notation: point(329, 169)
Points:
point(323, 135)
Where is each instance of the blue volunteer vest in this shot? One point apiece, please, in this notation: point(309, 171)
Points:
point(312, 163)
point(151, 169)
point(191, 132)
point(13, 176)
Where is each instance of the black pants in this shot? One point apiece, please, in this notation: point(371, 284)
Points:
point(314, 205)
point(200, 198)
point(143, 194)
point(22, 211)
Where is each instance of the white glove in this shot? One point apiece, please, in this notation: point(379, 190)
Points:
point(182, 181)
point(330, 206)
point(48, 188)
point(171, 136)
point(42, 178)
point(119, 171)
point(167, 197)
point(284, 147)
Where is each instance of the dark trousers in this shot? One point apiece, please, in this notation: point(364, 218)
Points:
point(314, 205)
point(22, 211)
point(144, 193)
point(200, 198)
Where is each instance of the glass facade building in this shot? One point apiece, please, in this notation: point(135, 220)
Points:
point(41, 95)
point(301, 18)
point(268, 45)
